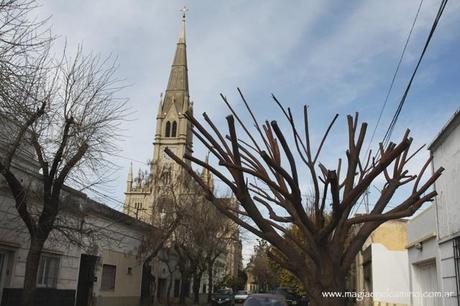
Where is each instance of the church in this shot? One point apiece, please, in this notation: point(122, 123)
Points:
point(148, 193)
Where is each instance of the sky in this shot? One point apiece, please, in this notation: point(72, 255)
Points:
point(335, 56)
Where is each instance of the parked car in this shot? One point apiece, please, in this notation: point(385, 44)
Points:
point(292, 299)
point(223, 297)
point(265, 299)
point(241, 296)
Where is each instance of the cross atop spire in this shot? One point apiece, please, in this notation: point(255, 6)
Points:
point(184, 10)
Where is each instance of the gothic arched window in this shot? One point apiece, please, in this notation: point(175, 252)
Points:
point(168, 129)
point(174, 129)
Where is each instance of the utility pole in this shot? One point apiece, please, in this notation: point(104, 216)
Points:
point(366, 200)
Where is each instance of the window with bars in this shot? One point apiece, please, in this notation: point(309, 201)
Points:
point(109, 272)
point(48, 269)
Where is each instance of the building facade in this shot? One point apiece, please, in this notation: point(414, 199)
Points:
point(423, 258)
point(382, 266)
point(445, 150)
point(101, 268)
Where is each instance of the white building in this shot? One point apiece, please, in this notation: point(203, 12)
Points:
point(76, 268)
point(382, 267)
point(423, 257)
point(105, 272)
point(445, 150)
point(434, 234)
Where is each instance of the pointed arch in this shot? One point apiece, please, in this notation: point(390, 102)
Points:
point(168, 129)
point(174, 129)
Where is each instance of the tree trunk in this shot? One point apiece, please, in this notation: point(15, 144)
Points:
point(210, 280)
point(168, 292)
point(328, 294)
point(196, 286)
point(30, 276)
point(148, 284)
point(185, 287)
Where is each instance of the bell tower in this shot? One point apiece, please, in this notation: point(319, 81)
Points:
point(173, 130)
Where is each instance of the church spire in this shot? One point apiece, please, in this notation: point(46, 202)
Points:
point(129, 182)
point(177, 89)
point(182, 28)
point(206, 175)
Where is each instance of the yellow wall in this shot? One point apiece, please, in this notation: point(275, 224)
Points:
point(126, 285)
point(392, 234)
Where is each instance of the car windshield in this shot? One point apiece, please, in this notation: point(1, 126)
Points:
point(223, 291)
point(242, 292)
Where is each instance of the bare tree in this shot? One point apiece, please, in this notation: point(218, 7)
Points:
point(264, 173)
point(67, 116)
point(219, 232)
point(191, 238)
point(155, 241)
point(23, 41)
point(173, 195)
point(167, 256)
point(260, 267)
point(185, 222)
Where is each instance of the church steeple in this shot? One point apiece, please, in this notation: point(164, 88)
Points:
point(173, 130)
point(177, 89)
point(206, 175)
point(129, 183)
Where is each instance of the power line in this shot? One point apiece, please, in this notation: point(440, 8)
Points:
point(131, 159)
point(392, 125)
point(390, 88)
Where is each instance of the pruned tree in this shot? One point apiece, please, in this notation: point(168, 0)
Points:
point(65, 114)
point(265, 172)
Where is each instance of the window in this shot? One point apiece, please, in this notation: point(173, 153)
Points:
point(108, 277)
point(138, 208)
point(168, 129)
point(174, 129)
point(48, 271)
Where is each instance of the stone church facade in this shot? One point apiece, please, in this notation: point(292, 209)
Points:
point(146, 196)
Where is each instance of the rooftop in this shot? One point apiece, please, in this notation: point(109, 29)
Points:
point(453, 122)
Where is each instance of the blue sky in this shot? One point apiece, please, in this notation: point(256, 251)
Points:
point(336, 56)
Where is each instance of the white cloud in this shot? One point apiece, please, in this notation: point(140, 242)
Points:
point(330, 53)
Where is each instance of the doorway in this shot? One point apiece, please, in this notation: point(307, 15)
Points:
point(161, 291)
point(426, 281)
point(86, 279)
